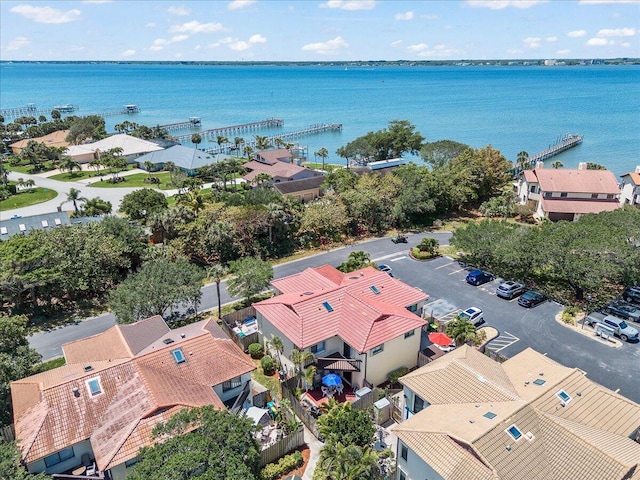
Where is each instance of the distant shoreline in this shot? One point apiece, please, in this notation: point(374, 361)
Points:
point(362, 63)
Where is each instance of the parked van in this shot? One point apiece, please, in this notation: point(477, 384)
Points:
point(619, 326)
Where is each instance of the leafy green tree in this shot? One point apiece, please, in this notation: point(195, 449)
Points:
point(557, 164)
point(69, 164)
point(139, 204)
point(94, 207)
point(595, 166)
point(346, 425)
point(81, 129)
point(461, 330)
point(416, 195)
point(371, 202)
point(158, 286)
point(10, 467)
point(340, 180)
point(262, 142)
point(340, 461)
point(251, 276)
point(400, 137)
point(323, 221)
point(429, 245)
point(17, 360)
point(323, 153)
point(222, 446)
point(357, 260)
point(438, 154)
point(74, 196)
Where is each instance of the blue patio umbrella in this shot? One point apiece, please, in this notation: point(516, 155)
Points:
point(331, 380)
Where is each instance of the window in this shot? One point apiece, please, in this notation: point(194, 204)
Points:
point(563, 195)
point(490, 415)
point(594, 195)
point(59, 457)
point(178, 356)
point(377, 350)
point(514, 432)
point(610, 196)
point(404, 452)
point(403, 476)
point(539, 381)
point(374, 289)
point(418, 404)
point(328, 306)
point(413, 308)
point(131, 463)
point(564, 396)
point(532, 189)
point(410, 334)
point(231, 384)
point(547, 194)
point(317, 348)
point(94, 386)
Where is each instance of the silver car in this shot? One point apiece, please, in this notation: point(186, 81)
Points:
point(510, 289)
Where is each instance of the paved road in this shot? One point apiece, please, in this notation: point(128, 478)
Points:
point(48, 344)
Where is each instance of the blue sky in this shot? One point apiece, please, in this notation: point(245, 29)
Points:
point(349, 30)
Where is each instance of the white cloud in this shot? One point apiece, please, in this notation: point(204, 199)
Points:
point(17, 43)
point(180, 11)
point(441, 51)
point(617, 32)
point(597, 42)
point(330, 47)
point(404, 16)
point(238, 4)
point(532, 42)
point(432, 16)
point(240, 46)
point(514, 51)
point(257, 38)
point(551, 39)
point(160, 43)
point(197, 27)
point(222, 41)
point(128, 53)
point(626, 44)
point(417, 47)
point(46, 14)
point(150, 25)
point(350, 4)
point(396, 43)
point(501, 4)
point(577, 33)
point(595, 2)
point(178, 38)
point(564, 51)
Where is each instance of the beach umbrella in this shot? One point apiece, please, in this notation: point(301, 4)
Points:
point(331, 380)
point(440, 338)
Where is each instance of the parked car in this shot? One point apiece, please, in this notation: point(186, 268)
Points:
point(531, 299)
point(510, 289)
point(478, 277)
point(474, 315)
point(624, 310)
point(632, 295)
point(385, 268)
point(618, 325)
point(399, 238)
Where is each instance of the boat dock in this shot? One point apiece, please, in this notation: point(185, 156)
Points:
point(312, 130)
point(232, 130)
point(193, 122)
point(32, 111)
point(563, 143)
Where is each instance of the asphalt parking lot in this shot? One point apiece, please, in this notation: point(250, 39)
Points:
point(444, 280)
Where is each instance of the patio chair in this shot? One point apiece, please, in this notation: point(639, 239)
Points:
point(91, 469)
point(325, 391)
point(339, 388)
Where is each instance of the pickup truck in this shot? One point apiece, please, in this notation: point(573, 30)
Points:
point(619, 326)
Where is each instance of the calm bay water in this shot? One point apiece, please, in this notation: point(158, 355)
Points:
point(511, 108)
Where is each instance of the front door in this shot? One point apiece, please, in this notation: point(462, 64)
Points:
point(346, 350)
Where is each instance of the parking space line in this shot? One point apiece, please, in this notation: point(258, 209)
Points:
point(399, 258)
point(456, 271)
point(503, 341)
point(442, 266)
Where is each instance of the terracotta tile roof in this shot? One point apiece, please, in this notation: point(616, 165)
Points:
point(361, 317)
point(588, 437)
point(635, 177)
point(530, 176)
point(54, 139)
point(582, 206)
point(55, 409)
point(273, 156)
point(576, 181)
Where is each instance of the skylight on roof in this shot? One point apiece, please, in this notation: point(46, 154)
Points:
point(374, 289)
point(490, 415)
point(328, 306)
point(539, 381)
point(514, 432)
point(178, 356)
point(564, 397)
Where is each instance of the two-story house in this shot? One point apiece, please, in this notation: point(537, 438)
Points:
point(631, 188)
point(278, 165)
point(566, 194)
point(101, 407)
point(527, 418)
point(363, 324)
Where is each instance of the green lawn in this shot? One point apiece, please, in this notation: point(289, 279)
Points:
point(73, 177)
point(28, 168)
point(138, 180)
point(27, 197)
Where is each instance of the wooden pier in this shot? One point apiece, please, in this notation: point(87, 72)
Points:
point(563, 143)
point(193, 122)
point(312, 130)
point(32, 111)
point(232, 130)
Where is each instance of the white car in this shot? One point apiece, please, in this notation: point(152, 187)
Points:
point(385, 268)
point(473, 314)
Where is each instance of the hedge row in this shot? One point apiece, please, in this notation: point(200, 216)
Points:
point(283, 466)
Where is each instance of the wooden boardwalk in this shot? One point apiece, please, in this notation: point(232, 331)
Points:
point(32, 111)
point(232, 130)
point(563, 143)
point(193, 122)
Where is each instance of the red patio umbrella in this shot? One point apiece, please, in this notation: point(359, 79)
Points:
point(440, 338)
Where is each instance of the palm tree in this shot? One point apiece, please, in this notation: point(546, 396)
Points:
point(69, 164)
point(557, 164)
point(309, 373)
point(461, 330)
point(522, 160)
point(275, 212)
point(196, 139)
point(278, 142)
point(323, 153)
point(262, 179)
point(96, 163)
point(277, 345)
point(74, 196)
point(262, 142)
point(221, 139)
point(216, 273)
point(148, 166)
point(237, 141)
point(349, 462)
point(299, 358)
point(193, 199)
point(247, 150)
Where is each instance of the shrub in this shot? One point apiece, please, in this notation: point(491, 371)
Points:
point(268, 365)
point(283, 466)
point(256, 350)
point(569, 315)
point(419, 255)
point(396, 374)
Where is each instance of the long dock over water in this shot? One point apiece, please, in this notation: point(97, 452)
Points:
point(32, 111)
point(193, 122)
point(213, 133)
point(563, 143)
point(312, 130)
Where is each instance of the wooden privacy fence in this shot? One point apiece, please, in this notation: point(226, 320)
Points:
point(234, 319)
point(306, 418)
point(7, 434)
point(282, 447)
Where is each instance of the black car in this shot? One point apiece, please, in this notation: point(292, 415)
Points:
point(623, 310)
point(632, 295)
point(478, 277)
point(531, 299)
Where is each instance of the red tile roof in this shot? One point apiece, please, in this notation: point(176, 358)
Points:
point(580, 206)
point(530, 176)
point(137, 392)
point(635, 177)
point(362, 318)
point(576, 181)
point(273, 156)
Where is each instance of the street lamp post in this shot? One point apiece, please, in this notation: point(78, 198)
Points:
point(586, 314)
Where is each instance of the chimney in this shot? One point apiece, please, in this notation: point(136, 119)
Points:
point(539, 165)
point(637, 169)
point(582, 166)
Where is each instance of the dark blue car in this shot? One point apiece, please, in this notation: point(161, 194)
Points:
point(478, 277)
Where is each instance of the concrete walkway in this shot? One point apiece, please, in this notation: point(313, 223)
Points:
point(315, 446)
